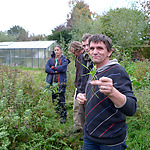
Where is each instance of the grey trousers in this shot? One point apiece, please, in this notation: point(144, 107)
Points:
point(78, 114)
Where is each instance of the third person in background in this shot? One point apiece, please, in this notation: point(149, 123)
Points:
point(84, 65)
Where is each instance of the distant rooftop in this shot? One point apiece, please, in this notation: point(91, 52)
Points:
point(26, 45)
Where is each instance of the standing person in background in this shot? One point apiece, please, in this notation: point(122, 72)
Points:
point(82, 58)
point(77, 49)
point(109, 99)
point(85, 67)
point(56, 68)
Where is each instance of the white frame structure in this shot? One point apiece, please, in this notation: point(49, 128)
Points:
point(27, 53)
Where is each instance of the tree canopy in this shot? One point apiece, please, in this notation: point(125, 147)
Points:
point(62, 35)
point(6, 38)
point(18, 32)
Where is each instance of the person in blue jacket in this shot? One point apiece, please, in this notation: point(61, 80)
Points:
point(56, 68)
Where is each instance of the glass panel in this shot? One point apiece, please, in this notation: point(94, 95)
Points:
point(42, 63)
point(28, 62)
point(4, 57)
point(25, 57)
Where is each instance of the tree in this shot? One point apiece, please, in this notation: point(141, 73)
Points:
point(146, 36)
point(6, 38)
point(79, 8)
point(80, 21)
point(37, 37)
point(125, 27)
point(62, 35)
point(146, 8)
point(18, 32)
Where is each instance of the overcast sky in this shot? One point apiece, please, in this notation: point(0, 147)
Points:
point(42, 16)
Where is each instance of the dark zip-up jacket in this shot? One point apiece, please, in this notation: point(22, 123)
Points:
point(85, 67)
point(105, 123)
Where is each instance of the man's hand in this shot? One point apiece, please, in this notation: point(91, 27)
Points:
point(81, 98)
point(105, 85)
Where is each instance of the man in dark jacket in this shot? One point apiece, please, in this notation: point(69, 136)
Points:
point(77, 49)
point(83, 66)
point(109, 99)
point(56, 68)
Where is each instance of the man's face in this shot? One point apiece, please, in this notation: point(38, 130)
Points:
point(86, 46)
point(99, 53)
point(57, 51)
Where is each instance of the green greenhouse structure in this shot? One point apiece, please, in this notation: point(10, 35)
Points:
point(27, 53)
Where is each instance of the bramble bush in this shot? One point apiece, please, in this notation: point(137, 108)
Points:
point(139, 72)
point(28, 119)
point(138, 125)
point(138, 134)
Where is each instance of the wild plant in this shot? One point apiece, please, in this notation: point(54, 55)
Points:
point(91, 73)
point(27, 115)
point(139, 73)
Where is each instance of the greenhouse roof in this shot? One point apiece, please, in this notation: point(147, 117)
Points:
point(26, 45)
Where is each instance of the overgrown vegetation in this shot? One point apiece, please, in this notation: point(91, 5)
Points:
point(28, 119)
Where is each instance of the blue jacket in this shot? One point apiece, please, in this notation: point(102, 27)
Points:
point(61, 69)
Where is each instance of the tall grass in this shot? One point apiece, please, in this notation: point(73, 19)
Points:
point(28, 119)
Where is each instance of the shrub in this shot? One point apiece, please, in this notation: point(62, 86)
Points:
point(139, 73)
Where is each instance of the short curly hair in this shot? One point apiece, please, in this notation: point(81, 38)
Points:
point(86, 36)
point(101, 38)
